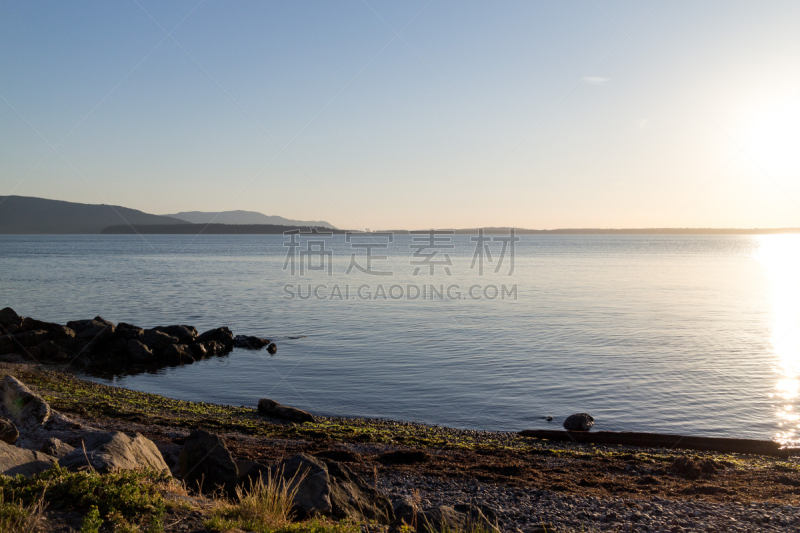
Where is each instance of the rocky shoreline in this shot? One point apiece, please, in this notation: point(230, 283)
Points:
point(97, 344)
point(377, 473)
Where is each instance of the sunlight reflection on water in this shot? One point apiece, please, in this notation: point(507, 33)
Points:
point(779, 255)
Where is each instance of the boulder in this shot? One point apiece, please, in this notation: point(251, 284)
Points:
point(9, 318)
point(332, 489)
point(32, 416)
point(352, 497)
point(205, 462)
point(157, 341)
point(7, 344)
point(178, 354)
point(128, 332)
point(8, 431)
point(57, 330)
point(210, 348)
point(250, 343)
point(31, 338)
point(171, 453)
point(578, 422)
point(14, 461)
point(273, 409)
point(24, 407)
point(79, 325)
point(222, 335)
point(138, 352)
point(310, 476)
point(94, 331)
point(198, 351)
point(105, 452)
point(405, 511)
point(272, 348)
point(52, 351)
point(56, 447)
point(184, 334)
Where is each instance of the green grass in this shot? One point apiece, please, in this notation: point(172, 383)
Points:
point(127, 498)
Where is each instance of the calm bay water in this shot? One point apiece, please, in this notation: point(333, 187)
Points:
point(680, 334)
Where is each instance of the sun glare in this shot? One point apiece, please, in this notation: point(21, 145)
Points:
point(779, 256)
point(774, 135)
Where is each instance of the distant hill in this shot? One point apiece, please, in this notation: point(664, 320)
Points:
point(24, 214)
point(243, 217)
point(212, 229)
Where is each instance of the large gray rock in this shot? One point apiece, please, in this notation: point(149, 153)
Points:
point(331, 489)
point(25, 408)
point(32, 416)
point(56, 448)
point(106, 452)
point(15, 461)
point(352, 497)
point(273, 409)
point(205, 462)
point(310, 476)
point(579, 422)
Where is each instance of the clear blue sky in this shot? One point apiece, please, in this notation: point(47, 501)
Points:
point(533, 114)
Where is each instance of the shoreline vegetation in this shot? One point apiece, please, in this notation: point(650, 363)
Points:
point(228, 468)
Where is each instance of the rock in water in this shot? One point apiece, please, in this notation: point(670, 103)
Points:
point(8, 431)
point(106, 452)
point(184, 334)
point(222, 335)
point(9, 318)
point(249, 342)
point(205, 461)
point(138, 352)
point(57, 330)
point(578, 422)
point(15, 461)
point(273, 409)
point(157, 341)
point(178, 354)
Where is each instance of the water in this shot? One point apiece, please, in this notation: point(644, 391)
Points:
point(682, 334)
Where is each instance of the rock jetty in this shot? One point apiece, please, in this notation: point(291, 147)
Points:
point(98, 343)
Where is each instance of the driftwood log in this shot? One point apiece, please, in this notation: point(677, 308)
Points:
point(662, 440)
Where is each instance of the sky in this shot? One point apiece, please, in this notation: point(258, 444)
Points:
point(414, 114)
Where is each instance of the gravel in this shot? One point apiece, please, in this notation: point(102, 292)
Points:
point(525, 510)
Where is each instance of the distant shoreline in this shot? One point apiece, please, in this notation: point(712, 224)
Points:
point(267, 229)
